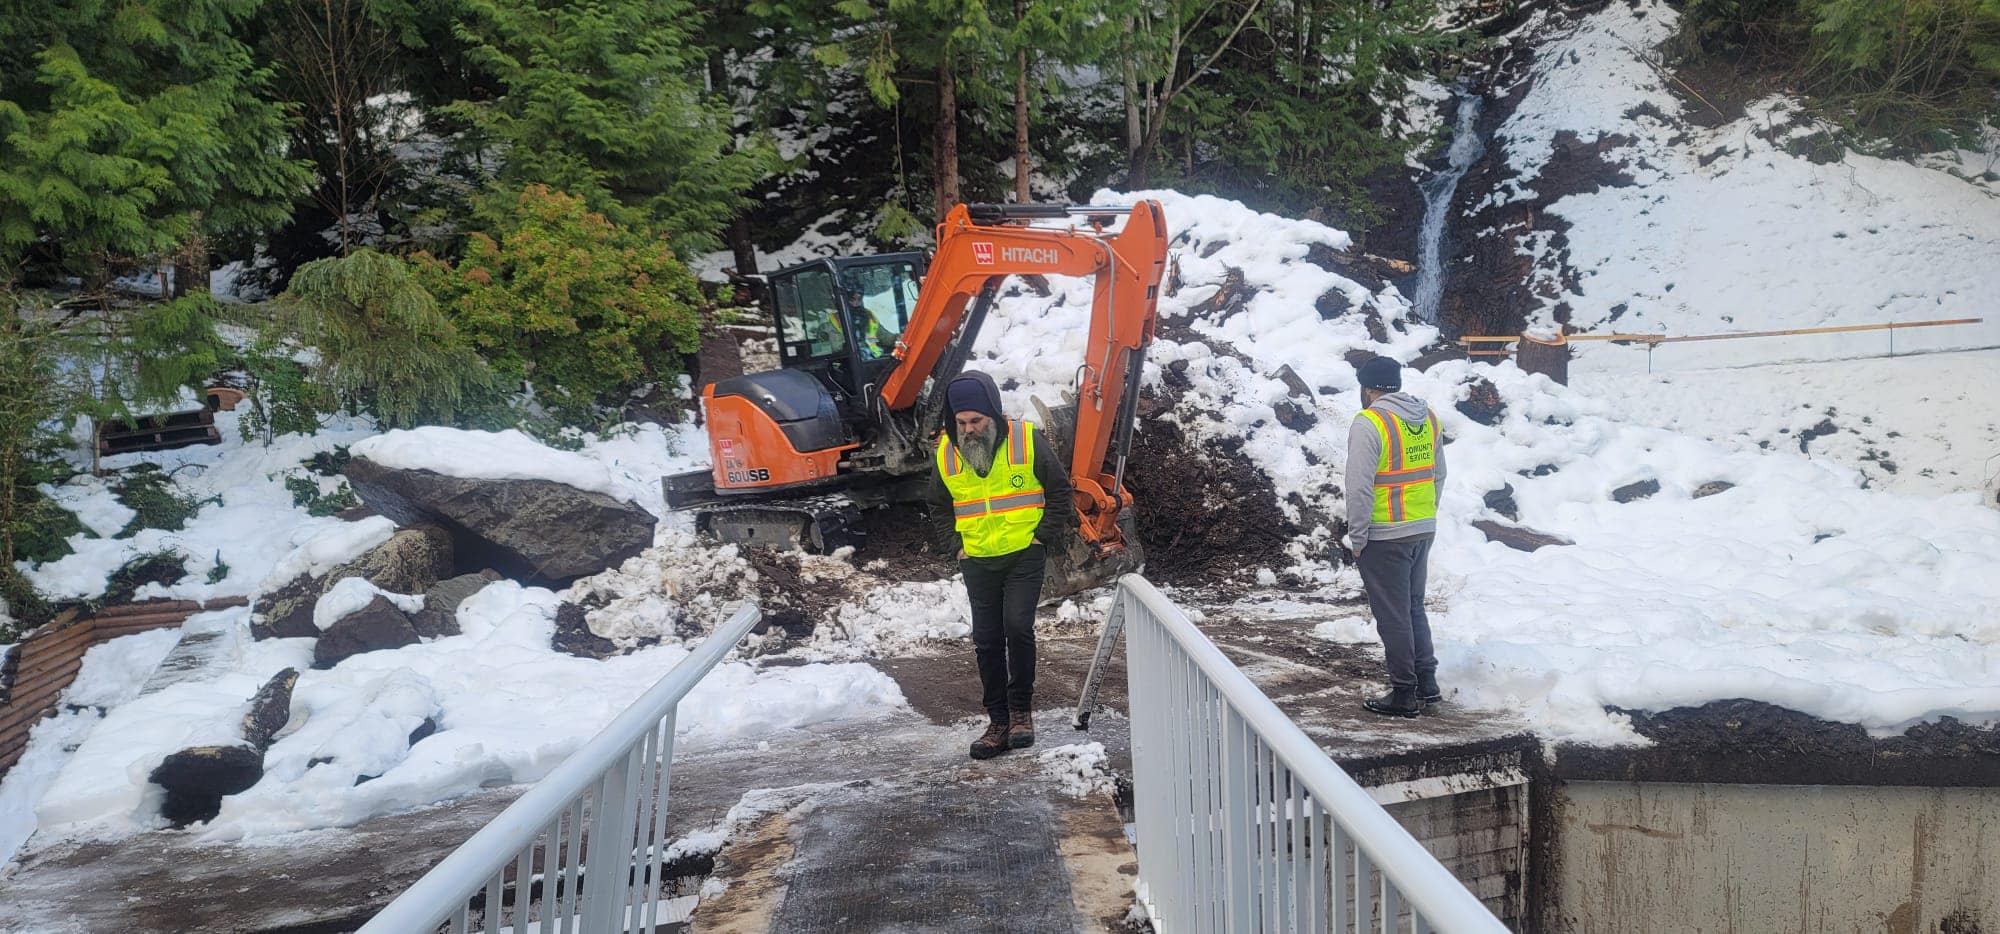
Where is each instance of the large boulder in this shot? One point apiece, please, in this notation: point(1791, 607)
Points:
point(197, 778)
point(379, 625)
point(439, 616)
point(535, 531)
point(409, 562)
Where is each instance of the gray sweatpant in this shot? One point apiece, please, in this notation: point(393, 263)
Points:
point(1393, 572)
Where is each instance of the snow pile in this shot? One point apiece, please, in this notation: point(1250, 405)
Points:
point(1351, 630)
point(1798, 587)
point(247, 525)
point(626, 466)
point(1727, 228)
point(348, 595)
point(680, 587)
point(898, 617)
point(111, 674)
point(506, 707)
point(1081, 769)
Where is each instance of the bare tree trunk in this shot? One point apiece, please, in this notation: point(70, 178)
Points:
point(945, 142)
point(1022, 165)
point(191, 267)
point(1131, 98)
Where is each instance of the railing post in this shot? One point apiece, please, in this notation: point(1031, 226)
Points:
point(1236, 826)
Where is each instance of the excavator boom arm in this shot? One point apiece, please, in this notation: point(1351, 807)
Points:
point(1127, 268)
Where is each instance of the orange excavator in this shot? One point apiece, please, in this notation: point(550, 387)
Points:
point(867, 345)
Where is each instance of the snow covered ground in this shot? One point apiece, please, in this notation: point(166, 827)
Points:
point(1724, 229)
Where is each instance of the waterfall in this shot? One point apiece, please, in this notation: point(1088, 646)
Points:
point(1466, 147)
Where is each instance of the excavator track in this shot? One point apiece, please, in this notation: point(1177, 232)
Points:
point(818, 524)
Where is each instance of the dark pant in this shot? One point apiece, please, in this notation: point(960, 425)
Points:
point(1393, 573)
point(1003, 591)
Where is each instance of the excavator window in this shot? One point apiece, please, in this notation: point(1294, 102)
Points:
point(809, 315)
point(882, 295)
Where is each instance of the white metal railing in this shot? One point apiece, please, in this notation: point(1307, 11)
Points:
point(533, 858)
point(1243, 823)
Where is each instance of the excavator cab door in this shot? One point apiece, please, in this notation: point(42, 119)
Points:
point(839, 319)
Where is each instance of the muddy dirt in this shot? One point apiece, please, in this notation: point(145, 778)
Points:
point(1752, 742)
point(899, 536)
point(1205, 511)
point(793, 603)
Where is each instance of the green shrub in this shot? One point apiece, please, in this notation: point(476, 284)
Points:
point(282, 396)
point(41, 528)
point(26, 604)
point(568, 301)
point(162, 566)
point(159, 504)
point(383, 345)
point(306, 492)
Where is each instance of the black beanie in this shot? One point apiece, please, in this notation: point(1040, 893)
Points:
point(970, 393)
point(1381, 374)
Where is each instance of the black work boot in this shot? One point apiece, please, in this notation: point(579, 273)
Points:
point(1427, 687)
point(1021, 729)
point(1401, 701)
point(992, 742)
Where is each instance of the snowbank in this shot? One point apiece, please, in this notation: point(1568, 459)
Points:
point(507, 709)
point(1797, 587)
point(111, 674)
point(1725, 229)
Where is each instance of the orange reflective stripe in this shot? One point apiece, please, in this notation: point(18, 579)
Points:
point(1017, 443)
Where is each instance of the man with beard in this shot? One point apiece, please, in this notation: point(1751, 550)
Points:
point(998, 496)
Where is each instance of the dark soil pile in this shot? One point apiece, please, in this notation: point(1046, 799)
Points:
point(792, 602)
point(1753, 742)
point(900, 536)
point(1205, 511)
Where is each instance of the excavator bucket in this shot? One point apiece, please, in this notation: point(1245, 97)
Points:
point(1075, 565)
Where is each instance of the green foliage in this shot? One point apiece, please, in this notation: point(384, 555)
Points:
point(26, 604)
point(128, 131)
point(603, 99)
point(31, 398)
point(383, 345)
point(161, 566)
point(306, 492)
point(41, 528)
point(219, 571)
point(282, 397)
point(158, 502)
point(1918, 75)
point(144, 357)
point(569, 301)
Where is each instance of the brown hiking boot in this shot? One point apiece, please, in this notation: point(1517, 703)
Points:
point(1021, 729)
point(992, 742)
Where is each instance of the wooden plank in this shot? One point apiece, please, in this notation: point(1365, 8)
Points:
point(49, 661)
point(147, 608)
point(20, 719)
point(59, 678)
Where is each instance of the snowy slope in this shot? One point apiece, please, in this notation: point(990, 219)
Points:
point(1757, 238)
point(1798, 587)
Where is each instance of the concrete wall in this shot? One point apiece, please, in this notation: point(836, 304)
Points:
point(1644, 857)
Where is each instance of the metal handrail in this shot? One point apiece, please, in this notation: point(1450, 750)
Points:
point(1244, 823)
point(617, 784)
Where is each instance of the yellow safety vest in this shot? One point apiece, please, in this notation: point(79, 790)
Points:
point(1405, 480)
point(995, 514)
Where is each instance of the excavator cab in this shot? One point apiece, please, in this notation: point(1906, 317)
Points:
point(839, 319)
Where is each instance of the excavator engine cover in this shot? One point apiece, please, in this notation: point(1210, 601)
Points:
point(773, 429)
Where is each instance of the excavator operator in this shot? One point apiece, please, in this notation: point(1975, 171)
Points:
point(997, 497)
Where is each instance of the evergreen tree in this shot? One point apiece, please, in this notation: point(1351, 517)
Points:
point(130, 133)
point(604, 99)
point(383, 345)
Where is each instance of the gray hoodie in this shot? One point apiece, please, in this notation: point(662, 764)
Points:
point(1364, 450)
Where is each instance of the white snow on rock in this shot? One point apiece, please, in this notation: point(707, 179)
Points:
point(508, 709)
point(329, 547)
point(350, 594)
point(111, 674)
point(488, 455)
point(1758, 238)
